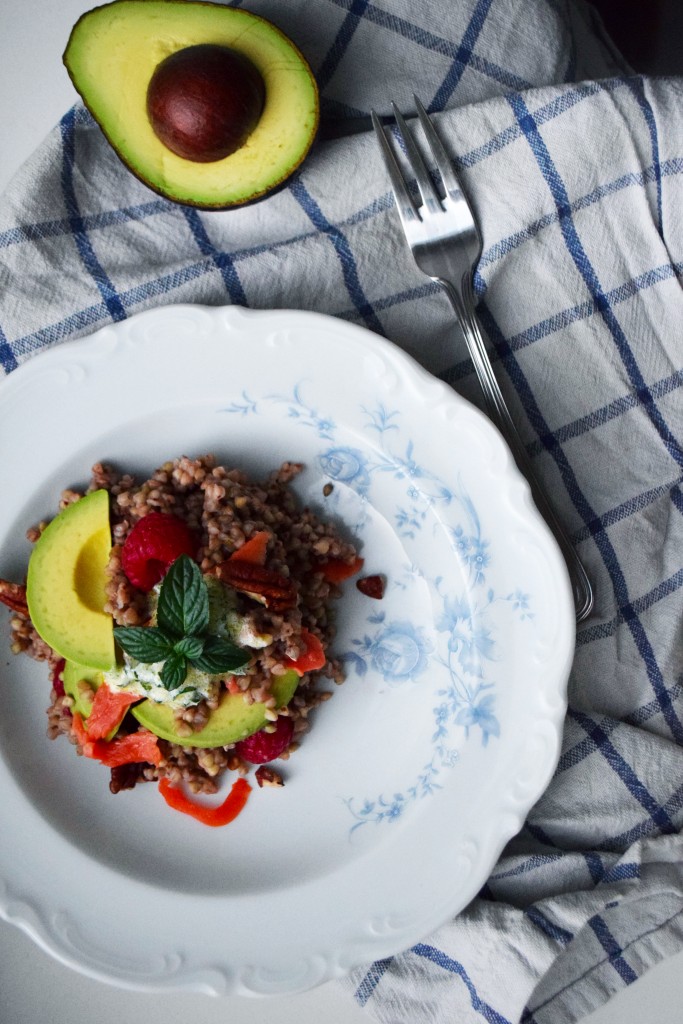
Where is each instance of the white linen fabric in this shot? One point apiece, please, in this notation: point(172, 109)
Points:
point(575, 169)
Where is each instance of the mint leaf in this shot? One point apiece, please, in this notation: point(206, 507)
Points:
point(220, 655)
point(183, 608)
point(190, 646)
point(144, 643)
point(174, 670)
point(179, 638)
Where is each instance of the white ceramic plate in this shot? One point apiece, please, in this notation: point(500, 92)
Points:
point(427, 759)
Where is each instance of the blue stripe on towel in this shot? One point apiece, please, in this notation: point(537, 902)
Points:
point(221, 260)
point(613, 950)
point(371, 980)
point(617, 407)
point(599, 875)
point(344, 253)
point(677, 497)
point(595, 866)
point(601, 630)
point(620, 873)
point(637, 87)
point(628, 508)
point(549, 928)
point(54, 228)
point(582, 311)
point(434, 43)
point(584, 748)
point(83, 244)
point(341, 42)
point(8, 360)
point(554, 108)
point(624, 771)
point(587, 271)
point(622, 840)
point(534, 863)
point(540, 835)
point(634, 179)
point(643, 829)
point(645, 712)
point(462, 57)
point(440, 958)
point(581, 261)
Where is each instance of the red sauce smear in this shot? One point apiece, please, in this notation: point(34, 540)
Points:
point(223, 814)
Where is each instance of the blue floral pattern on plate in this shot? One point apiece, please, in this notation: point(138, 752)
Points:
point(412, 759)
point(399, 651)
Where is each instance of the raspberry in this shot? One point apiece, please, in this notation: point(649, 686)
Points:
point(266, 746)
point(56, 678)
point(153, 545)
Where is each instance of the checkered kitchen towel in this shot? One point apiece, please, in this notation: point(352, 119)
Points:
point(575, 169)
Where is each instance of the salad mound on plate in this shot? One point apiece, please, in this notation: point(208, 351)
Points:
point(185, 621)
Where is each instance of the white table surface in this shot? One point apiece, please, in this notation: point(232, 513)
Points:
point(34, 93)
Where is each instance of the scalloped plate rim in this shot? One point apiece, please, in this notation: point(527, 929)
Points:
point(321, 965)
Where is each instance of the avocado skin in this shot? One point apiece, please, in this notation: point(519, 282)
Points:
point(280, 83)
point(231, 721)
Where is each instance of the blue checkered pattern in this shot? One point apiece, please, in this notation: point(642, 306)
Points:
point(575, 168)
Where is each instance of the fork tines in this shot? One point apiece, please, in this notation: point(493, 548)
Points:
point(430, 198)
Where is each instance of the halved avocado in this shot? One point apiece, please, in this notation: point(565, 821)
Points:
point(232, 720)
point(114, 51)
point(65, 583)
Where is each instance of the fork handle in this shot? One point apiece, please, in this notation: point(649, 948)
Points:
point(500, 414)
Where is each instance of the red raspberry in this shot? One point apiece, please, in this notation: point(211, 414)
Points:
point(266, 746)
point(56, 678)
point(153, 545)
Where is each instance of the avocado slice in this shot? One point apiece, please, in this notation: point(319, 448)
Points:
point(65, 583)
point(231, 721)
point(113, 53)
point(72, 675)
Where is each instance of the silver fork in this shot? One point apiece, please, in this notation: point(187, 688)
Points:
point(446, 245)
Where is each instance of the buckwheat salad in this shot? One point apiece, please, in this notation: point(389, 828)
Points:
point(217, 610)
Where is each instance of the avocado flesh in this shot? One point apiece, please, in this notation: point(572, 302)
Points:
point(74, 674)
point(231, 721)
point(112, 54)
point(65, 583)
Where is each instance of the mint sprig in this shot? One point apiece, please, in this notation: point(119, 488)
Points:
point(181, 636)
point(183, 608)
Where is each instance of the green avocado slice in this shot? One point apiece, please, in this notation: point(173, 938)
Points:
point(65, 583)
point(232, 720)
point(112, 54)
point(72, 675)
point(75, 674)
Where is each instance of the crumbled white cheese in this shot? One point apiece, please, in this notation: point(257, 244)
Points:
point(225, 620)
point(144, 680)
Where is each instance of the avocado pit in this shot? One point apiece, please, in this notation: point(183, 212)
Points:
point(204, 101)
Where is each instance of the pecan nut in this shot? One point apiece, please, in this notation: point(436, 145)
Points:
point(14, 596)
point(267, 776)
point(126, 776)
point(372, 586)
point(276, 591)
